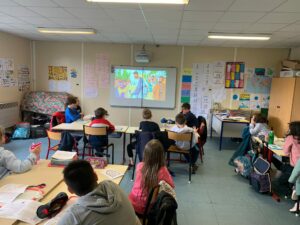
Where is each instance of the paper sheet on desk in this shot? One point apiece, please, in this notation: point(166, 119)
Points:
point(24, 210)
point(9, 192)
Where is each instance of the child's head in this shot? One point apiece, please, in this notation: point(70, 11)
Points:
point(100, 113)
point(80, 177)
point(2, 135)
point(147, 114)
point(295, 129)
point(259, 118)
point(185, 107)
point(71, 102)
point(180, 119)
point(153, 160)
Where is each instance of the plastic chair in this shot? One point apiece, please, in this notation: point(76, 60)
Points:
point(202, 131)
point(174, 149)
point(96, 131)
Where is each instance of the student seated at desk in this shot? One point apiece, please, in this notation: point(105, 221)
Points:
point(9, 162)
point(145, 126)
point(258, 125)
point(291, 148)
point(295, 179)
point(148, 175)
point(104, 203)
point(100, 121)
point(191, 120)
point(181, 127)
point(71, 112)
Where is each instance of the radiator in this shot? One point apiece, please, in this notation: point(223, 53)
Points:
point(9, 114)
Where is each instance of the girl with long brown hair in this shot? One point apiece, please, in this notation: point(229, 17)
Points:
point(148, 174)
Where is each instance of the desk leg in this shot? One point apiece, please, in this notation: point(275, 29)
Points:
point(270, 155)
point(211, 122)
point(221, 137)
point(124, 147)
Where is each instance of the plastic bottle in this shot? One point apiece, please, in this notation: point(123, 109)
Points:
point(271, 137)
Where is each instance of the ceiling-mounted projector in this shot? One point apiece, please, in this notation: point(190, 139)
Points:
point(142, 56)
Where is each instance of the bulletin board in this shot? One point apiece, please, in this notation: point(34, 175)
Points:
point(234, 77)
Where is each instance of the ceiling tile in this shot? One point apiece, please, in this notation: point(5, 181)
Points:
point(168, 25)
point(129, 6)
point(280, 18)
point(8, 3)
point(197, 25)
point(202, 16)
point(191, 37)
point(125, 15)
point(188, 43)
point(39, 21)
point(292, 28)
point(159, 15)
point(240, 17)
point(165, 42)
point(17, 11)
point(192, 32)
point(95, 13)
point(255, 5)
point(213, 5)
point(265, 27)
point(10, 20)
point(289, 6)
point(75, 3)
point(162, 7)
point(69, 22)
point(230, 27)
point(44, 3)
point(162, 31)
point(211, 42)
point(51, 12)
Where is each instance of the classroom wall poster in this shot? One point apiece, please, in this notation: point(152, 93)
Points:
point(102, 69)
point(186, 85)
point(57, 73)
point(258, 101)
point(23, 78)
point(259, 84)
point(235, 72)
point(91, 85)
point(73, 73)
point(244, 101)
point(6, 73)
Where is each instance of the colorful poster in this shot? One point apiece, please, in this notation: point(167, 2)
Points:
point(260, 71)
point(244, 101)
point(258, 101)
point(90, 81)
point(234, 77)
point(259, 84)
point(186, 86)
point(57, 73)
point(102, 69)
point(23, 78)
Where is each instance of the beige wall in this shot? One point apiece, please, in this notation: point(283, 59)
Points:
point(76, 54)
point(295, 53)
point(19, 50)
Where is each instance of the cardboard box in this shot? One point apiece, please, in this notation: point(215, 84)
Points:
point(293, 64)
point(289, 73)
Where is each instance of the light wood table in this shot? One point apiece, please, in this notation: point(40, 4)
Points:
point(77, 126)
point(54, 182)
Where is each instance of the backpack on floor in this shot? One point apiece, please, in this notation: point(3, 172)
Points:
point(243, 165)
point(260, 177)
point(22, 131)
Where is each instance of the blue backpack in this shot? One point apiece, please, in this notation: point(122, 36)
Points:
point(260, 177)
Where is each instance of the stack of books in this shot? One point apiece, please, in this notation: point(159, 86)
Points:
point(63, 158)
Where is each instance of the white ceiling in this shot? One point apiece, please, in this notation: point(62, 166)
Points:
point(157, 24)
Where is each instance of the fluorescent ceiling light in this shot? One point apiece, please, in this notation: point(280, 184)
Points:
point(254, 37)
point(66, 30)
point(143, 1)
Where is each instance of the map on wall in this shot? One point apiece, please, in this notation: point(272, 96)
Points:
point(259, 84)
point(57, 73)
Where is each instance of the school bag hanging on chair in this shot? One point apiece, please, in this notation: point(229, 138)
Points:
point(260, 177)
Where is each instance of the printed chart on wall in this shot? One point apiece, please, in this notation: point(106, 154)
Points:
point(186, 85)
point(103, 69)
point(58, 79)
point(90, 81)
point(207, 86)
point(23, 78)
point(6, 73)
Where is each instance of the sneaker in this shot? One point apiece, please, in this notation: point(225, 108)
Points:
point(53, 207)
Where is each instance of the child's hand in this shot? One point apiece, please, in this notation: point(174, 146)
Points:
point(195, 129)
point(252, 120)
point(36, 150)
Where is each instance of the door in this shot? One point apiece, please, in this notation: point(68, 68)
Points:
point(280, 107)
point(296, 102)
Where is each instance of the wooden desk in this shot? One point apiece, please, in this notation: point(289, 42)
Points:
point(40, 173)
point(54, 182)
point(77, 126)
point(227, 127)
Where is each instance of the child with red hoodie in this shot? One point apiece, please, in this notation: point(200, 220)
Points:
point(100, 121)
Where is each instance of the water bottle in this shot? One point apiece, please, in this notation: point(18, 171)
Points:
point(271, 137)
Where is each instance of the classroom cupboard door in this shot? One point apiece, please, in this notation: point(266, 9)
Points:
point(296, 104)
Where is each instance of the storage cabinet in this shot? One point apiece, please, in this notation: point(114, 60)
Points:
point(284, 104)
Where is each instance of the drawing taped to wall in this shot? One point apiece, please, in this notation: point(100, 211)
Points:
point(234, 77)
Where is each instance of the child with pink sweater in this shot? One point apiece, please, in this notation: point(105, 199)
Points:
point(148, 174)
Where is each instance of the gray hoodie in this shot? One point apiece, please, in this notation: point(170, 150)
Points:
point(107, 204)
point(9, 163)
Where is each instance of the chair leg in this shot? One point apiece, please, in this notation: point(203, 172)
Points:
point(201, 153)
point(298, 207)
point(190, 168)
point(83, 151)
point(168, 159)
point(133, 170)
point(47, 153)
point(112, 154)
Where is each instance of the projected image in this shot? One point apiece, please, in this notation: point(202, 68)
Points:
point(137, 84)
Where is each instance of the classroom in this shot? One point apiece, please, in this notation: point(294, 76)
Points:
point(226, 72)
